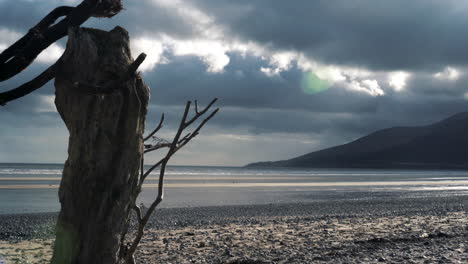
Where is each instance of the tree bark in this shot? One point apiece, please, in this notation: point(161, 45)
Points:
point(100, 176)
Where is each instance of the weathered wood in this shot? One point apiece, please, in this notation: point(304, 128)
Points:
point(101, 174)
point(23, 52)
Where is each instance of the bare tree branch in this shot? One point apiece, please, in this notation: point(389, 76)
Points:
point(201, 113)
point(145, 175)
point(176, 144)
point(49, 74)
point(160, 125)
point(182, 126)
point(196, 132)
point(184, 138)
point(29, 87)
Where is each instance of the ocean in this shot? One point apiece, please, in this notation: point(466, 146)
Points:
point(30, 188)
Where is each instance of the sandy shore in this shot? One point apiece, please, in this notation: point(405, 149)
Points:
point(411, 230)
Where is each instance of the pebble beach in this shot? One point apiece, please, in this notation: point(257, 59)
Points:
point(397, 230)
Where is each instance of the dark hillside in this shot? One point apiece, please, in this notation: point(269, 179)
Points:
point(440, 145)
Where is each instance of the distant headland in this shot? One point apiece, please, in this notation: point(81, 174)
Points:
point(442, 145)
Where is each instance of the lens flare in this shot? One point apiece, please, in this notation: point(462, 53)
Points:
point(312, 84)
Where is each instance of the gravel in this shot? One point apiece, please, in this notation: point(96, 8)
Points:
point(40, 225)
point(374, 229)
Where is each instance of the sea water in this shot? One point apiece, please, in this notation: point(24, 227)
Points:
point(27, 188)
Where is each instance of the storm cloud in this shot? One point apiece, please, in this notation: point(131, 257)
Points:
point(389, 35)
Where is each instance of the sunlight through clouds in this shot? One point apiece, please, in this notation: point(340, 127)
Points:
point(448, 74)
point(321, 77)
point(212, 47)
point(51, 54)
point(283, 60)
point(397, 80)
point(270, 72)
point(370, 87)
point(154, 50)
point(213, 53)
point(46, 104)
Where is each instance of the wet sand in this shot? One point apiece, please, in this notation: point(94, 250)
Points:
point(178, 178)
point(268, 184)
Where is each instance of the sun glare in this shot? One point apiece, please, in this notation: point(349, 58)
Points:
point(312, 84)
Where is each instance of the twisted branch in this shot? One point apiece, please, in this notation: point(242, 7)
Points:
point(23, 52)
point(17, 47)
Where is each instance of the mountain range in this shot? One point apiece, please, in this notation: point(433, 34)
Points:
point(442, 145)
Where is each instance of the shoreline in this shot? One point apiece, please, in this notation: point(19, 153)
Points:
point(39, 225)
point(449, 183)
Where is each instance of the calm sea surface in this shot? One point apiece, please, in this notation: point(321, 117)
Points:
point(33, 187)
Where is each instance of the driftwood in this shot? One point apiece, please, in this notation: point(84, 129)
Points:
point(103, 102)
point(100, 176)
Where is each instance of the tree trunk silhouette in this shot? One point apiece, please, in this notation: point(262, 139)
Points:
point(104, 108)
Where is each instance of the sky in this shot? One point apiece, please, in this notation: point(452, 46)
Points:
point(292, 77)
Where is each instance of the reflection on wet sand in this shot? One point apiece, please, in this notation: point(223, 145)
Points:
point(175, 178)
point(264, 184)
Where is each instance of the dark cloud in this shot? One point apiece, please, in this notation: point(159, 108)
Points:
point(139, 17)
point(21, 15)
point(387, 35)
point(148, 18)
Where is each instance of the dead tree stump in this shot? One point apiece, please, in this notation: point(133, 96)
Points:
point(106, 128)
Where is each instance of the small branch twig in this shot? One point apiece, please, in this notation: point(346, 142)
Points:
point(138, 212)
point(200, 113)
point(114, 84)
point(160, 125)
point(158, 146)
point(183, 125)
